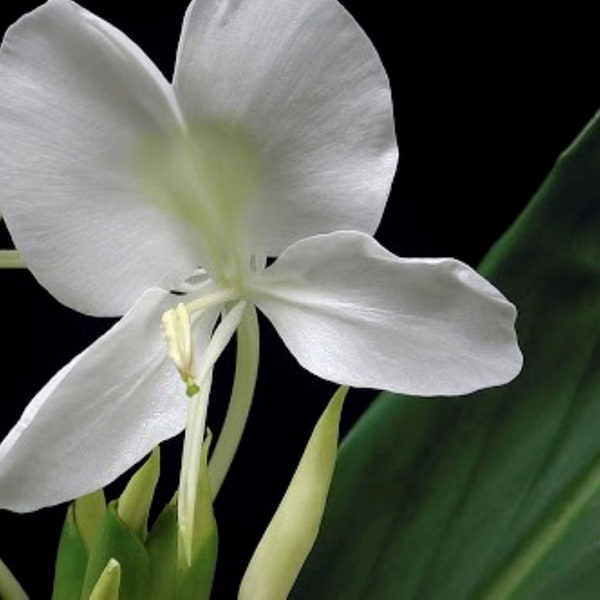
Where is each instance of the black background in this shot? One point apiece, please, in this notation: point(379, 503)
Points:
point(484, 102)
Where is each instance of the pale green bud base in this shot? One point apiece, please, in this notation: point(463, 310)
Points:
point(11, 259)
point(292, 532)
point(109, 583)
point(106, 553)
point(10, 588)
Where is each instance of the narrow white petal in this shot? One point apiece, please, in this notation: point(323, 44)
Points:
point(100, 414)
point(77, 102)
point(353, 313)
point(304, 81)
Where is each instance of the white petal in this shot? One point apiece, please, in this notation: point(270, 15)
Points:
point(100, 414)
point(77, 101)
point(304, 81)
point(353, 313)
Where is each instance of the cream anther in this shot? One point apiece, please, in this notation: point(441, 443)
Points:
point(177, 329)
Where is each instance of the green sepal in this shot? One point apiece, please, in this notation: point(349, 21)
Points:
point(88, 512)
point(161, 546)
point(133, 506)
point(71, 561)
point(194, 581)
point(116, 540)
point(108, 586)
point(170, 576)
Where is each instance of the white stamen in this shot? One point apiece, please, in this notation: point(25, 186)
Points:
point(221, 337)
point(210, 300)
point(177, 328)
point(190, 465)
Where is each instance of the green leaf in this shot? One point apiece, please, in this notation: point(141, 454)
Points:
point(494, 495)
point(71, 561)
point(293, 529)
point(116, 540)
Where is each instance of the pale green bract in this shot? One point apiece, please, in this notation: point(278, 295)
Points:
point(275, 139)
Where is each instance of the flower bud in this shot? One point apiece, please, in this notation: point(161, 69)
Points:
point(293, 530)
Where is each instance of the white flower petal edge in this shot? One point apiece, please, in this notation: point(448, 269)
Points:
point(353, 313)
point(298, 84)
point(100, 414)
point(304, 81)
point(77, 97)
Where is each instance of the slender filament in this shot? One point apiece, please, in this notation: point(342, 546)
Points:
point(241, 399)
point(220, 338)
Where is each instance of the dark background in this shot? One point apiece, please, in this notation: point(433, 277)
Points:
point(484, 103)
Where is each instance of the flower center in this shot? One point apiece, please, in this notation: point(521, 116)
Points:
point(205, 177)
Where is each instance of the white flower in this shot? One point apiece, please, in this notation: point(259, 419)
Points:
point(275, 139)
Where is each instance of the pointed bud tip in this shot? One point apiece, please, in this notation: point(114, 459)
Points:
point(109, 582)
point(133, 506)
point(292, 532)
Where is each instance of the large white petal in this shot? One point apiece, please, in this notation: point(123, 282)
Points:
point(304, 81)
point(77, 101)
point(100, 414)
point(353, 313)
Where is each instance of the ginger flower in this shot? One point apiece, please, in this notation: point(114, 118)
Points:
point(129, 195)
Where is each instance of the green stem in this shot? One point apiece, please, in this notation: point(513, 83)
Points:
point(10, 588)
point(11, 259)
point(545, 536)
point(241, 399)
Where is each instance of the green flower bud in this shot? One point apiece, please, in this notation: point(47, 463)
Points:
point(109, 582)
point(133, 506)
point(293, 530)
point(88, 512)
